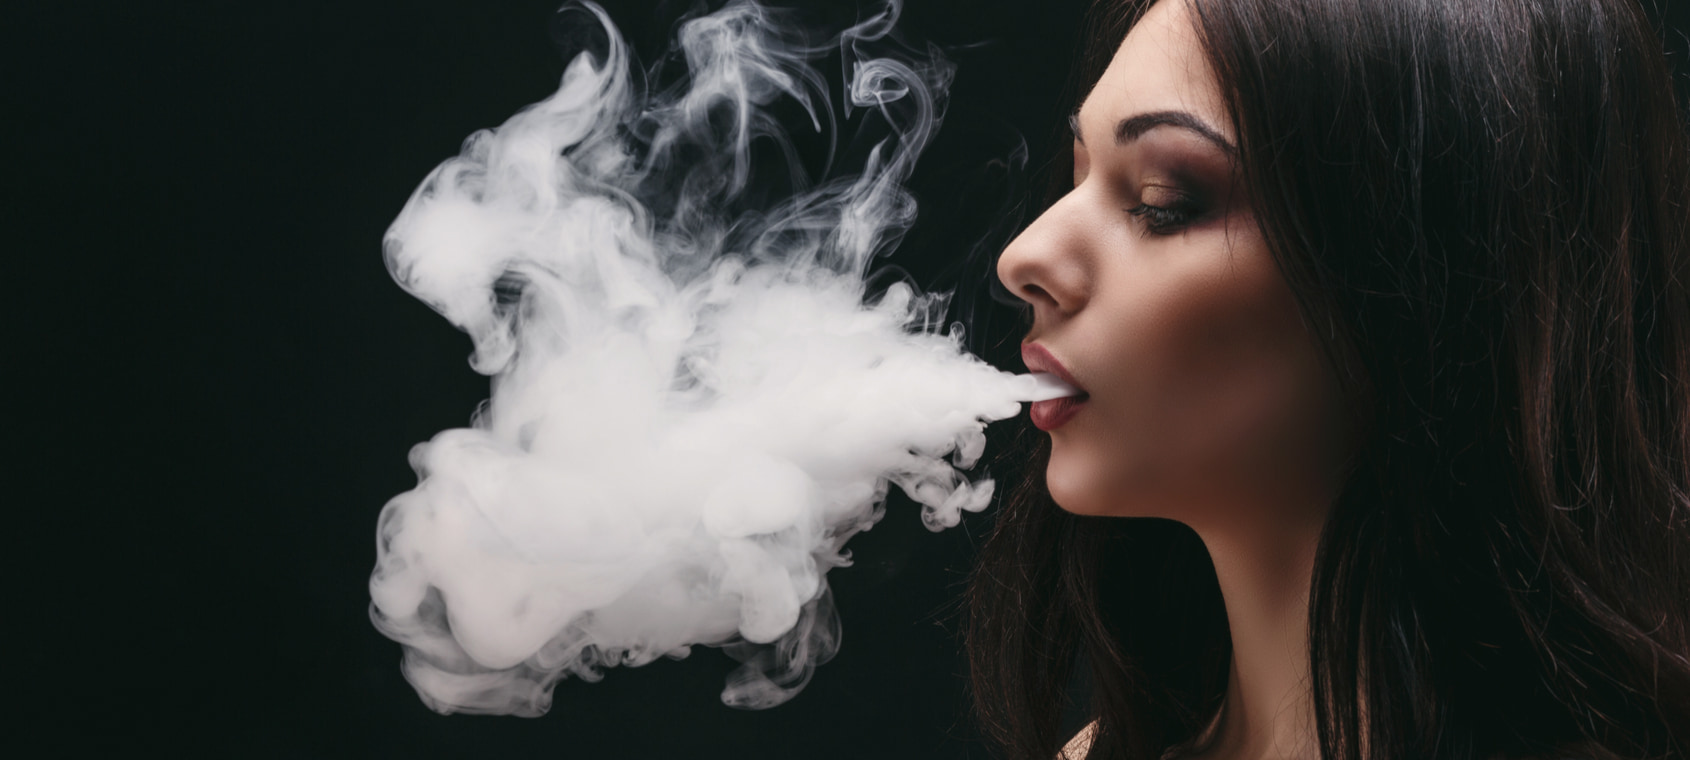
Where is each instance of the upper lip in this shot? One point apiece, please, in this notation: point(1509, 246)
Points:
point(1040, 359)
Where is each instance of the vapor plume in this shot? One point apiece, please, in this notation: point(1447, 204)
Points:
point(694, 403)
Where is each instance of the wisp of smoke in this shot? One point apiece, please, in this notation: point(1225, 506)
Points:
point(693, 408)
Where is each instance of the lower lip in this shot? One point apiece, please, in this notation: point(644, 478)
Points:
point(1050, 415)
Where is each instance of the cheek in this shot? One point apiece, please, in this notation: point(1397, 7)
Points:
point(1216, 389)
point(1227, 344)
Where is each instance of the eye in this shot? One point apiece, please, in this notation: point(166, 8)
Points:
point(1164, 220)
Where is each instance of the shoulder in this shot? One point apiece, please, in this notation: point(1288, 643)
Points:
point(1080, 745)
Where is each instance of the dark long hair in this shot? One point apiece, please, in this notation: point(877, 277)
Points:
point(1483, 207)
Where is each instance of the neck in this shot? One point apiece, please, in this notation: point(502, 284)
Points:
point(1264, 573)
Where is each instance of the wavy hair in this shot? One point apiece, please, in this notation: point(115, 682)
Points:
point(1483, 207)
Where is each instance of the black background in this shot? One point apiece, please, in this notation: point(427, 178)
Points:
point(214, 382)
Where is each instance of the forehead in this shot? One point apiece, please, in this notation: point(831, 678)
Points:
point(1159, 67)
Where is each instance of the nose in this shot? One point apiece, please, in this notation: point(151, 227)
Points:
point(1046, 264)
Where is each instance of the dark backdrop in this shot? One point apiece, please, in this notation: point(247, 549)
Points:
point(214, 382)
point(219, 382)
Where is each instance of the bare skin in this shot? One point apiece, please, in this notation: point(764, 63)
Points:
point(1210, 402)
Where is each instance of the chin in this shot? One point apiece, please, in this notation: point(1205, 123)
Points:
point(1074, 488)
point(1102, 487)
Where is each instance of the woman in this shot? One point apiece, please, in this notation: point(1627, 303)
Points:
point(1382, 309)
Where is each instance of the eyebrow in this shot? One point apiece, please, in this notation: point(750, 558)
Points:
point(1133, 127)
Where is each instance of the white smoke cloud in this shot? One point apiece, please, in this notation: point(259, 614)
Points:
point(693, 408)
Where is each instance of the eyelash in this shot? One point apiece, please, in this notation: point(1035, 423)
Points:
point(1159, 220)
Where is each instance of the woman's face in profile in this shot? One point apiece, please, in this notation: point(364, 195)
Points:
point(1151, 285)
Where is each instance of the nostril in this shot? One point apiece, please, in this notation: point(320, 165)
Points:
point(1032, 293)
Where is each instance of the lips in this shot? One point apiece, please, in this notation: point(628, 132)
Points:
point(1052, 414)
